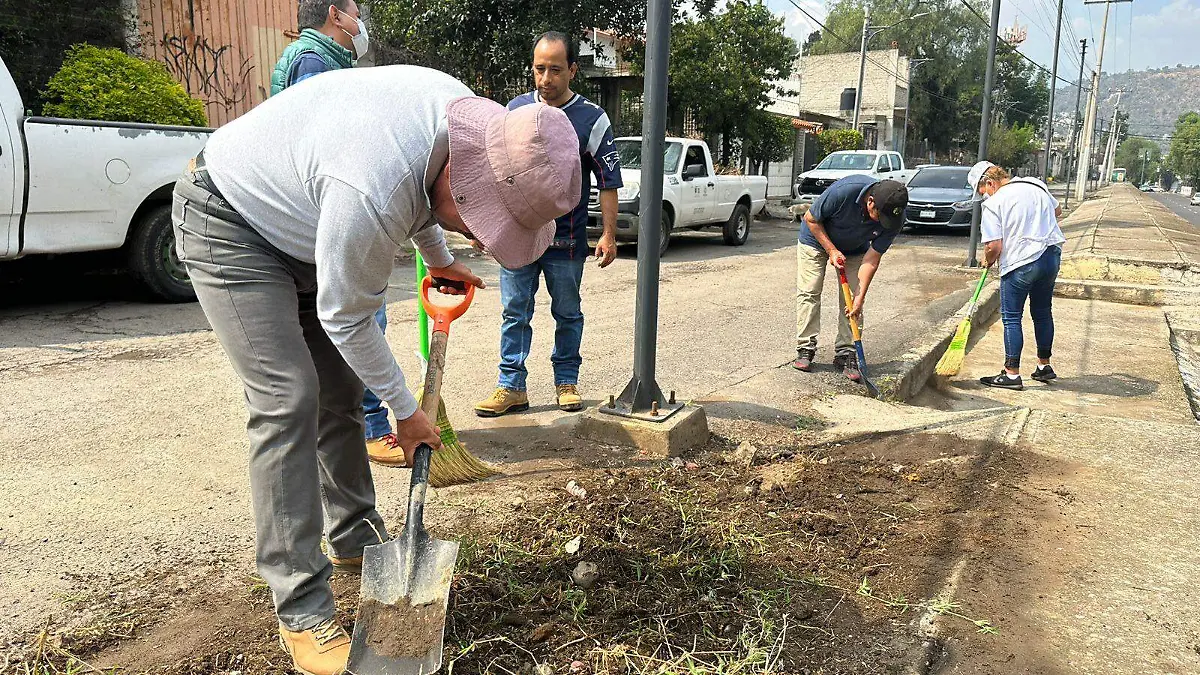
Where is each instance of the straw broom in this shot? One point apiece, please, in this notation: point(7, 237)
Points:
point(951, 362)
point(453, 464)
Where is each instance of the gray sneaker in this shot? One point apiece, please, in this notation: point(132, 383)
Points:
point(804, 359)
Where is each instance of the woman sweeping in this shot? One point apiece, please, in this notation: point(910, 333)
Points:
point(1020, 231)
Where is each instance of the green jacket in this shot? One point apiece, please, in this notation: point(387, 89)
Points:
point(334, 55)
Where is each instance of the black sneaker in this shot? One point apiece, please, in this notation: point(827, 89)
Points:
point(1044, 373)
point(849, 365)
point(804, 359)
point(1003, 381)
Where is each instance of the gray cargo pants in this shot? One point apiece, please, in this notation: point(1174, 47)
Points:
point(305, 404)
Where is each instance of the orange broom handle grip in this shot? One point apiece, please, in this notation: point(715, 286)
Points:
point(849, 297)
point(443, 315)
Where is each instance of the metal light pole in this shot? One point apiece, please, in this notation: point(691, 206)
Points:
point(1053, 88)
point(985, 129)
point(642, 397)
point(1075, 122)
point(868, 32)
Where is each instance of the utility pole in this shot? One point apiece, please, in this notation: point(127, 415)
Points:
point(1089, 125)
point(1053, 88)
point(1110, 149)
point(1075, 121)
point(912, 64)
point(985, 129)
point(1142, 175)
point(862, 66)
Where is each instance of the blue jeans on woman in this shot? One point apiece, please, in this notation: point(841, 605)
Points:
point(374, 414)
point(517, 290)
point(1034, 281)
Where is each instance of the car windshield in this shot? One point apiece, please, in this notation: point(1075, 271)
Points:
point(630, 152)
point(950, 179)
point(846, 160)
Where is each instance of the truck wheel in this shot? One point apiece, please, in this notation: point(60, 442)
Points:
point(737, 228)
point(152, 257)
point(665, 235)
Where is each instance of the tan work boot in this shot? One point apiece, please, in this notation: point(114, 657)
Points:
point(320, 650)
point(501, 402)
point(386, 450)
point(569, 398)
point(347, 565)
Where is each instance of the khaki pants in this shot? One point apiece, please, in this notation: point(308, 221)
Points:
point(811, 264)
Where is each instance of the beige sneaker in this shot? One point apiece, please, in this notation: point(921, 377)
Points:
point(386, 450)
point(320, 650)
point(502, 402)
point(569, 398)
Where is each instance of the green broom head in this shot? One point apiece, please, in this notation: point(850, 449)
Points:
point(951, 362)
point(453, 464)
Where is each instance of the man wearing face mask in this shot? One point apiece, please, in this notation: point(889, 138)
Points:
point(332, 37)
point(289, 222)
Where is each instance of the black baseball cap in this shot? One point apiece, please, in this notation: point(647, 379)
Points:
point(891, 198)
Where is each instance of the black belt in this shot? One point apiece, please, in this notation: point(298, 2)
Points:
point(201, 171)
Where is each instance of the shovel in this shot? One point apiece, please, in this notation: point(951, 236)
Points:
point(406, 581)
point(862, 358)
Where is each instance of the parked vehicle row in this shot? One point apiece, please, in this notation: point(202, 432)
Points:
point(878, 163)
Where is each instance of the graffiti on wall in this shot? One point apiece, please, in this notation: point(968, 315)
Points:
point(209, 72)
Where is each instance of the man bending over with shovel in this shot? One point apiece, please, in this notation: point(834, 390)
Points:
point(850, 226)
point(288, 222)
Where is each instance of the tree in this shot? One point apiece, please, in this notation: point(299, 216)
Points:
point(1184, 157)
point(1012, 146)
point(1130, 154)
point(724, 67)
point(832, 140)
point(488, 43)
point(769, 137)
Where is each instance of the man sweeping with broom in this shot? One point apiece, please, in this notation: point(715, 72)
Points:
point(288, 222)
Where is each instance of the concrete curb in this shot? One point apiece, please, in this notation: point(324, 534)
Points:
point(917, 365)
point(1185, 343)
point(1130, 294)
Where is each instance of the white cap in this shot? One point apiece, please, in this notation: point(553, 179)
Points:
point(976, 173)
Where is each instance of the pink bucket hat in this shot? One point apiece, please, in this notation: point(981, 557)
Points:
point(512, 172)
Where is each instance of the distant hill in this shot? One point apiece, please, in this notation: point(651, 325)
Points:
point(1153, 98)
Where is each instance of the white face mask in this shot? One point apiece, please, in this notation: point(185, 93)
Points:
point(360, 41)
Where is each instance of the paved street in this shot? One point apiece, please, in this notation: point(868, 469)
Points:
point(1179, 204)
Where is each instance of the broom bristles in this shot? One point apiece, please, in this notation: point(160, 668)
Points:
point(951, 362)
point(453, 464)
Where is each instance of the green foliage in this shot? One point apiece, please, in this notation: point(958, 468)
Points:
point(108, 84)
point(488, 44)
point(35, 35)
point(1136, 153)
point(1184, 157)
point(769, 137)
point(724, 67)
point(1012, 146)
point(946, 92)
point(832, 140)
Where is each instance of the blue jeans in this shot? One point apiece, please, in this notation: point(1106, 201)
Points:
point(517, 290)
point(374, 414)
point(1034, 281)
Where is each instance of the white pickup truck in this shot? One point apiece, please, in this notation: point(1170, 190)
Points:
point(694, 196)
point(69, 186)
point(878, 163)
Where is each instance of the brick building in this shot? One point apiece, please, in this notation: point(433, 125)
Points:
point(885, 92)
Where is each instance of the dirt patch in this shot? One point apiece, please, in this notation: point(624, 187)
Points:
point(402, 631)
point(815, 560)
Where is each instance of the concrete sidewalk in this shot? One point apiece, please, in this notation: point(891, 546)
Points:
point(1123, 224)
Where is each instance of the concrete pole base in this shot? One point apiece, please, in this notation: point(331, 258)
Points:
point(683, 431)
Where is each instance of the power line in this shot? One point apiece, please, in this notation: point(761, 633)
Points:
point(1016, 51)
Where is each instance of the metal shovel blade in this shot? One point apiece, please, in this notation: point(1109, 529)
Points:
point(405, 591)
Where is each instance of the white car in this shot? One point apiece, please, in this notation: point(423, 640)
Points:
point(77, 185)
point(694, 196)
point(880, 164)
point(1195, 201)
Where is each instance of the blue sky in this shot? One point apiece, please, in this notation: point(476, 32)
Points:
point(1163, 32)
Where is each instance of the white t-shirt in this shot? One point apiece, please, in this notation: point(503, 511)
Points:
point(1021, 216)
